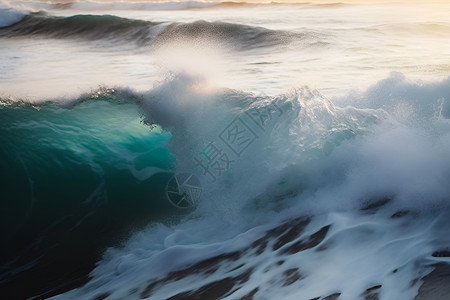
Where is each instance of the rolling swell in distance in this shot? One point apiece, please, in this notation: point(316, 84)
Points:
point(117, 29)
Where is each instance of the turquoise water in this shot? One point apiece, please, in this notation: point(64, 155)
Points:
point(88, 155)
point(84, 174)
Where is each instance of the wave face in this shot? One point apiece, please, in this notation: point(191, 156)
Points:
point(89, 27)
point(113, 28)
point(352, 185)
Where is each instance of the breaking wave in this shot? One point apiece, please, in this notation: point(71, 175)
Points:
point(300, 194)
point(117, 29)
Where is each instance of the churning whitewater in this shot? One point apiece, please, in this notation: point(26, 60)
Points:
point(322, 190)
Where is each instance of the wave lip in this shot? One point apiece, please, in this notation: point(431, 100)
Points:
point(9, 16)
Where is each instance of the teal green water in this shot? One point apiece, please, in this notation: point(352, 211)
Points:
point(58, 162)
point(74, 181)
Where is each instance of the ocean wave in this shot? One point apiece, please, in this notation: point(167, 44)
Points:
point(310, 126)
point(233, 35)
point(324, 193)
point(89, 27)
point(9, 16)
point(113, 28)
point(310, 181)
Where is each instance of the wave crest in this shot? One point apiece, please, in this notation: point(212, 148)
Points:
point(9, 16)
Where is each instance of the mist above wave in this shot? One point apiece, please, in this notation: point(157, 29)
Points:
point(117, 29)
